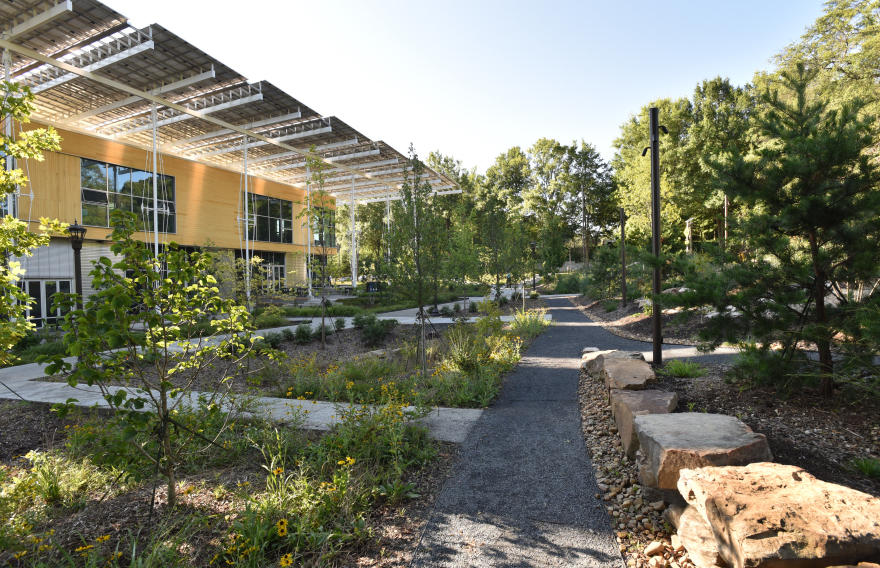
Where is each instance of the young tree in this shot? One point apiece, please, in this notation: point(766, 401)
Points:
point(320, 220)
point(593, 205)
point(811, 192)
point(494, 234)
point(16, 241)
point(417, 239)
point(147, 330)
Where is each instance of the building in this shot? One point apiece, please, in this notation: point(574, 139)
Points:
point(153, 125)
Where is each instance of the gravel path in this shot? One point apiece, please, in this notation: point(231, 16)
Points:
point(523, 491)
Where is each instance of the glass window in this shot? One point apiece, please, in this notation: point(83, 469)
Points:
point(262, 229)
point(93, 196)
point(141, 183)
point(94, 214)
point(93, 175)
point(106, 188)
point(274, 219)
point(123, 179)
point(261, 205)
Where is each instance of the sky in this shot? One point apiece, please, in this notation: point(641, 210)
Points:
point(471, 79)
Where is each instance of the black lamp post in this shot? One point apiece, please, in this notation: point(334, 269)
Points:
point(533, 244)
point(77, 233)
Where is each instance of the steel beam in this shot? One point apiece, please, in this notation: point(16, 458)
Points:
point(281, 155)
point(131, 100)
point(38, 20)
point(238, 148)
point(358, 166)
point(393, 197)
point(181, 117)
point(159, 100)
point(225, 131)
point(331, 159)
point(124, 54)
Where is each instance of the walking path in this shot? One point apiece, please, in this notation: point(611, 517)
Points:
point(522, 492)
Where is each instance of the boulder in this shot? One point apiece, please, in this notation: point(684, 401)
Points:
point(771, 515)
point(595, 361)
point(689, 440)
point(698, 539)
point(625, 404)
point(672, 514)
point(591, 350)
point(627, 374)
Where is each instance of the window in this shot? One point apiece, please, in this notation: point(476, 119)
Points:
point(107, 188)
point(325, 233)
point(273, 219)
point(42, 292)
point(274, 267)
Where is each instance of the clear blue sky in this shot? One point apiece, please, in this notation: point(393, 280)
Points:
point(472, 79)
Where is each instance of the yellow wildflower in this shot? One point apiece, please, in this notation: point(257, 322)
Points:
point(286, 560)
point(104, 538)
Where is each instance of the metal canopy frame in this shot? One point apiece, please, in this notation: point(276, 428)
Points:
point(93, 72)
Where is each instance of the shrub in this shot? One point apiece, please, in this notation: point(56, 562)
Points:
point(456, 308)
point(270, 340)
point(339, 324)
point(377, 331)
point(272, 316)
point(472, 307)
point(446, 312)
point(869, 467)
point(569, 283)
point(466, 352)
point(287, 334)
point(683, 369)
point(760, 366)
point(303, 333)
point(610, 305)
point(328, 331)
point(362, 320)
point(529, 323)
point(534, 295)
point(503, 301)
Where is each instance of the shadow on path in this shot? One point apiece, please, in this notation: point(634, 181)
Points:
point(523, 492)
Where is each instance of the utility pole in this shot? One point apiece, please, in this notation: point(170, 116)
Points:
point(622, 258)
point(655, 127)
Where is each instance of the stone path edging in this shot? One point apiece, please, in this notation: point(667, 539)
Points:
point(444, 424)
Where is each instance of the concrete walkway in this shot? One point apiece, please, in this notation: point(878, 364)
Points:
point(445, 424)
point(523, 491)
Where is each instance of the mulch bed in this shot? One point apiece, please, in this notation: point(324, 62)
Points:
point(31, 426)
point(339, 346)
point(631, 322)
point(820, 436)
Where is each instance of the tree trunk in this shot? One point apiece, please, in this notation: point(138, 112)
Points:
point(823, 344)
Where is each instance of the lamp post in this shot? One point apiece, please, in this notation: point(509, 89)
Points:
point(533, 244)
point(77, 233)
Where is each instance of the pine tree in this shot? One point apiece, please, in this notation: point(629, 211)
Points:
point(812, 206)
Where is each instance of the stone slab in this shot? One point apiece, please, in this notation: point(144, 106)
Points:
point(595, 361)
point(768, 515)
point(698, 539)
point(626, 404)
point(627, 374)
point(690, 440)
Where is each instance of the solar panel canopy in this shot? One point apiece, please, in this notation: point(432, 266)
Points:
point(208, 106)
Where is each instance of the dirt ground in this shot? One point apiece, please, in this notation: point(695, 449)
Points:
point(632, 323)
point(31, 426)
point(805, 431)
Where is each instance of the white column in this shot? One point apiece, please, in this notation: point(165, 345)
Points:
point(10, 197)
point(354, 272)
point(153, 112)
point(247, 228)
point(309, 228)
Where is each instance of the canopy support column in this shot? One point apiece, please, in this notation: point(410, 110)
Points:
point(354, 270)
point(247, 227)
point(153, 112)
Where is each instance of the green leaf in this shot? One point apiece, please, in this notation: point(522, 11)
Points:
point(128, 434)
